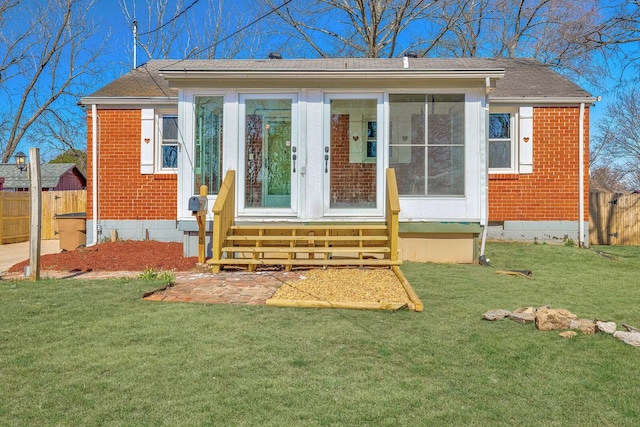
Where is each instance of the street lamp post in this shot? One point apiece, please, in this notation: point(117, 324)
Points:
point(21, 161)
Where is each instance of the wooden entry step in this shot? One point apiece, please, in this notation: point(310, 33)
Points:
point(282, 243)
point(295, 244)
point(306, 262)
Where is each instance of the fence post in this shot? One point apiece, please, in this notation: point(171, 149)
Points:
point(1, 216)
point(35, 232)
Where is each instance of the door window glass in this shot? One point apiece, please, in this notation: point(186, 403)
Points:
point(208, 143)
point(353, 145)
point(268, 153)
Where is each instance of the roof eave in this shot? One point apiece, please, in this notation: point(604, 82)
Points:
point(128, 100)
point(544, 100)
point(331, 74)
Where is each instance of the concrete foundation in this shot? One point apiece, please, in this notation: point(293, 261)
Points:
point(538, 231)
point(160, 230)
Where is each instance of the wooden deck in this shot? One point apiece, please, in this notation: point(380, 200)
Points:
point(303, 244)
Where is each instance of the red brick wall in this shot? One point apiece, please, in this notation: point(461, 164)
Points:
point(125, 194)
point(550, 193)
point(350, 182)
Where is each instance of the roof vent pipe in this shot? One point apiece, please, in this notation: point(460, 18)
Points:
point(275, 55)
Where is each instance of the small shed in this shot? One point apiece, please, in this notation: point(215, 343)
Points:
point(55, 177)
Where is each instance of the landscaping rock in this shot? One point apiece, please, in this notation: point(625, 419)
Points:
point(585, 326)
point(496, 314)
point(550, 319)
point(631, 338)
point(524, 310)
point(568, 334)
point(523, 317)
point(630, 328)
point(606, 327)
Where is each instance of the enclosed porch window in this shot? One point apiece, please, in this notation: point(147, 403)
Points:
point(208, 143)
point(426, 143)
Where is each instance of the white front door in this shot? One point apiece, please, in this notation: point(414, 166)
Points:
point(354, 155)
point(268, 181)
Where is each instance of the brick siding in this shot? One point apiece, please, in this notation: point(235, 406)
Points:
point(550, 193)
point(351, 183)
point(124, 193)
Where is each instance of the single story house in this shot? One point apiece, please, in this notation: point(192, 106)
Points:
point(480, 148)
point(54, 177)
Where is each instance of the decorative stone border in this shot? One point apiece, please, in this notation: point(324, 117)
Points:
point(549, 319)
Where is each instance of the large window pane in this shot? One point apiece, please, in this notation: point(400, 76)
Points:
point(499, 125)
point(406, 142)
point(431, 162)
point(169, 156)
point(500, 154)
point(353, 153)
point(169, 145)
point(445, 141)
point(446, 170)
point(500, 151)
point(268, 153)
point(208, 143)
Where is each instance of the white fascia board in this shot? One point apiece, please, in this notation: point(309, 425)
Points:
point(542, 100)
point(331, 74)
point(128, 101)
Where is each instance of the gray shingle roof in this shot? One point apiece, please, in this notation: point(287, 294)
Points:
point(524, 78)
point(142, 82)
point(50, 174)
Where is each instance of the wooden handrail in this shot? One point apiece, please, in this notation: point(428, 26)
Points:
point(223, 216)
point(393, 209)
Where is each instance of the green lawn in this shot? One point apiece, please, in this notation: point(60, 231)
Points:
point(78, 352)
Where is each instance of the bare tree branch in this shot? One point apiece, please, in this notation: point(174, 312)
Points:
point(45, 61)
point(616, 140)
point(171, 32)
point(362, 28)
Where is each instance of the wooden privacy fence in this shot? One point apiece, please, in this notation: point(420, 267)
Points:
point(14, 213)
point(14, 217)
point(614, 219)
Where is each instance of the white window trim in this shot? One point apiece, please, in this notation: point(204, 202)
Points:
point(159, 138)
point(513, 112)
point(380, 159)
point(426, 144)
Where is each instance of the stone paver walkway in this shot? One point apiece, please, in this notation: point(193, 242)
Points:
point(226, 287)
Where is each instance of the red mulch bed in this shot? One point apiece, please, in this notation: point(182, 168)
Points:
point(127, 255)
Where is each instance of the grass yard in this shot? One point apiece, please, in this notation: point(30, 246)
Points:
point(93, 353)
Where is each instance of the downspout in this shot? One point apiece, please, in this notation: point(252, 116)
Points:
point(94, 170)
point(581, 240)
point(484, 192)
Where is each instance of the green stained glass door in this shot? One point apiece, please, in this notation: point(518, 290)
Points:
point(277, 158)
point(269, 152)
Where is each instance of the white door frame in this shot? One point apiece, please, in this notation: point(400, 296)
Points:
point(242, 162)
point(381, 150)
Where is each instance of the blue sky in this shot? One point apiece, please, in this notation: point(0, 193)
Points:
point(118, 59)
point(119, 48)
